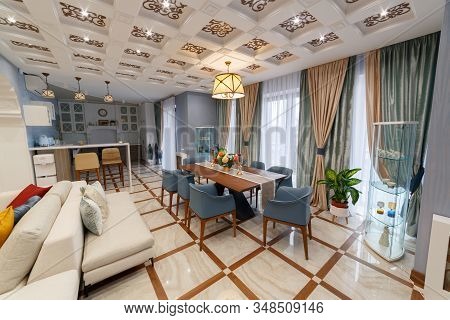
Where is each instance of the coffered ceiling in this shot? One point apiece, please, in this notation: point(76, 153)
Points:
point(150, 49)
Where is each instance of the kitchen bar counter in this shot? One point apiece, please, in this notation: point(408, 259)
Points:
point(89, 146)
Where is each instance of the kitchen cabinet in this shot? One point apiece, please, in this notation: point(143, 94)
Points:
point(72, 117)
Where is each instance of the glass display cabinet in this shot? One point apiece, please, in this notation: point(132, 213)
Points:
point(391, 172)
point(204, 140)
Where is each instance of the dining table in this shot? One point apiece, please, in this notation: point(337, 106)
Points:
point(235, 183)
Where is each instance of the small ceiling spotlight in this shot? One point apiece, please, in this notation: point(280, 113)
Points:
point(383, 13)
point(296, 20)
point(138, 51)
point(84, 13)
point(322, 38)
point(166, 4)
point(86, 38)
point(148, 33)
point(11, 20)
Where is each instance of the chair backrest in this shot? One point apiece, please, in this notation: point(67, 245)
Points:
point(183, 189)
point(111, 154)
point(301, 212)
point(287, 181)
point(203, 205)
point(258, 165)
point(86, 161)
point(170, 180)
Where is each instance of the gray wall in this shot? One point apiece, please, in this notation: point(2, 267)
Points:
point(193, 110)
point(435, 196)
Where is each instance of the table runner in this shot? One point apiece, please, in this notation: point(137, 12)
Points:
point(267, 184)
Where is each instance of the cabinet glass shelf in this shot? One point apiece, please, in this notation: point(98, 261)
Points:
point(383, 187)
point(393, 146)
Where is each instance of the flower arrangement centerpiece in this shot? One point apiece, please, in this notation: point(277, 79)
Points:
point(224, 159)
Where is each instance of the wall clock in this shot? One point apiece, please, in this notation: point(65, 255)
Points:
point(102, 112)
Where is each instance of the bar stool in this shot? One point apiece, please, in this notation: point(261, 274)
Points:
point(111, 157)
point(86, 162)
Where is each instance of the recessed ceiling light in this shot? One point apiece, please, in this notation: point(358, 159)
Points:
point(84, 13)
point(11, 20)
point(86, 38)
point(166, 4)
point(322, 38)
point(148, 33)
point(296, 20)
point(138, 51)
point(384, 13)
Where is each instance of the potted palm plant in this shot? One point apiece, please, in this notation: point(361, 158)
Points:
point(343, 186)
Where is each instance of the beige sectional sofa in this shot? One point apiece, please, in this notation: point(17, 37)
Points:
point(49, 250)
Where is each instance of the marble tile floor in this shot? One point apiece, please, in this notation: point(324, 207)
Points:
point(340, 265)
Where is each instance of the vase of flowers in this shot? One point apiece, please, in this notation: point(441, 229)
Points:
point(224, 159)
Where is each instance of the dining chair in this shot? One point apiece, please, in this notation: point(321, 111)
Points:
point(207, 205)
point(87, 162)
point(290, 207)
point(111, 157)
point(169, 184)
point(194, 160)
point(183, 189)
point(257, 165)
point(287, 180)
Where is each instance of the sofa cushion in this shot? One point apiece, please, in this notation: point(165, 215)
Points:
point(19, 252)
point(25, 194)
point(61, 189)
point(91, 216)
point(63, 248)
point(20, 211)
point(6, 224)
point(124, 233)
point(96, 193)
point(62, 286)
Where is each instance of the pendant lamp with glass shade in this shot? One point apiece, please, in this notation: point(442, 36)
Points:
point(228, 85)
point(47, 92)
point(79, 95)
point(108, 97)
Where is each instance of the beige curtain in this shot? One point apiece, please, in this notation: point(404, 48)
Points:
point(325, 87)
point(247, 106)
point(373, 91)
point(224, 113)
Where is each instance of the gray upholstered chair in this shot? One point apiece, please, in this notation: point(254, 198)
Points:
point(208, 205)
point(169, 184)
point(258, 165)
point(183, 189)
point(286, 181)
point(290, 207)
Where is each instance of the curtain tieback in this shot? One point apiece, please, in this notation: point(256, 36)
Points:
point(320, 152)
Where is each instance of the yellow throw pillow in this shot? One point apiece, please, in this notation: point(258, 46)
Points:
point(6, 224)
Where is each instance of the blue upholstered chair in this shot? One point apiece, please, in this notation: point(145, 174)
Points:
point(183, 189)
point(169, 184)
point(257, 165)
point(286, 181)
point(290, 207)
point(208, 205)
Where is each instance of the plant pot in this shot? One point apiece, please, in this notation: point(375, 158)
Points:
point(226, 169)
point(339, 209)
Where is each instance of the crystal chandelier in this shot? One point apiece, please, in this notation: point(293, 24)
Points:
point(47, 92)
point(79, 95)
point(108, 97)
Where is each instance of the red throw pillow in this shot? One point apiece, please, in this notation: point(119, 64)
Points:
point(27, 193)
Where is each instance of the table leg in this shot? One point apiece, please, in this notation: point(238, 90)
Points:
point(129, 164)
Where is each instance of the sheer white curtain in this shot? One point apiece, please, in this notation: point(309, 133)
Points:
point(359, 151)
point(231, 142)
point(169, 142)
point(279, 121)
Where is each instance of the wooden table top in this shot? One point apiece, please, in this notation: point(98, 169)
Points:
point(232, 182)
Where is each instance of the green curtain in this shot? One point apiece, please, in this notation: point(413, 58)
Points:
point(407, 81)
point(158, 113)
point(222, 113)
point(337, 151)
point(306, 150)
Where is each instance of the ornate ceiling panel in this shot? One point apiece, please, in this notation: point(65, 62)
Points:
point(165, 47)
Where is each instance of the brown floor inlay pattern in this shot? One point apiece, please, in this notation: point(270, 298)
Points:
point(339, 267)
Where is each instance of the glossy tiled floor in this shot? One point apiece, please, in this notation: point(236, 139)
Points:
point(340, 266)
